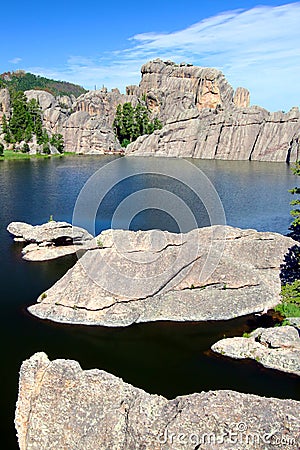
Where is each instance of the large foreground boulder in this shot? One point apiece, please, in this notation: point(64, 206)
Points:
point(276, 348)
point(212, 273)
point(60, 406)
point(50, 240)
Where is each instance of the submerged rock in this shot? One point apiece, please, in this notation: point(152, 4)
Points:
point(212, 273)
point(50, 240)
point(61, 406)
point(276, 348)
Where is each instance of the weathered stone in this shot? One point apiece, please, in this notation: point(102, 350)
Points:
point(60, 406)
point(103, 104)
point(236, 134)
point(45, 99)
point(213, 273)
point(241, 97)
point(84, 133)
point(276, 348)
point(171, 89)
point(50, 240)
point(4, 103)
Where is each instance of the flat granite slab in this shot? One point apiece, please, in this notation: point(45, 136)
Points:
point(60, 406)
point(50, 240)
point(212, 273)
point(275, 348)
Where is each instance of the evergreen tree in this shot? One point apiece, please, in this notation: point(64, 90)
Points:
point(130, 123)
point(57, 141)
point(295, 225)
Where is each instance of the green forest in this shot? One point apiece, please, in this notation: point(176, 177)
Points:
point(26, 122)
point(131, 122)
point(24, 81)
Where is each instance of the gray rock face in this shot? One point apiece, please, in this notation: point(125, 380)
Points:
point(213, 273)
point(50, 240)
point(171, 89)
point(276, 348)
point(83, 132)
point(236, 134)
point(103, 104)
point(45, 99)
point(241, 97)
point(4, 103)
point(60, 406)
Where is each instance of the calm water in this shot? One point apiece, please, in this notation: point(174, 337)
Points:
point(166, 358)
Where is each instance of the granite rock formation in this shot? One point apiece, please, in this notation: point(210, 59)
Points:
point(212, 273)
point(50, 240)
point(235, 134)
point(82, 132)
point(103, 103)
point(275, 348)
point(4, 103)
point(203, 117)
point(61, 406)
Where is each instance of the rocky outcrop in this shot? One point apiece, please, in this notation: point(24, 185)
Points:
point(171, 88)
point(50, 240)
point(60, 406)
point(205, 119)
point(82, 132)
point(237, 134)
point(276, 348)
point(202, 116)
point(241, 97)
point(212, 273)
point(4, 103)
point(88, 134)
point(103, 104)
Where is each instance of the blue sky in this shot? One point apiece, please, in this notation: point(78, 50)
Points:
point(255, 44)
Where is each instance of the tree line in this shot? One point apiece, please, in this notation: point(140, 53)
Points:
point(24, 81)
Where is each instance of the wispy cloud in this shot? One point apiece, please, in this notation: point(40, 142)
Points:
point(15, 60)
point(257, 48)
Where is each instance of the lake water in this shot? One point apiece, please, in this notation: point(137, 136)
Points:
point(166, 358)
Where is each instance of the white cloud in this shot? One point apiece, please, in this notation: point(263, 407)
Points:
point(257, 48)
point(15, 60)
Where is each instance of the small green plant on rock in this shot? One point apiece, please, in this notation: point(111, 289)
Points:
point(43, 296)
point(51, 218)
point(100, 243)
point(246, 335)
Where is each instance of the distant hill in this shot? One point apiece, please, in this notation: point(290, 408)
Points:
point(24, 81)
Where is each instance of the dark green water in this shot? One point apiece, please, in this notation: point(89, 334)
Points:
point(166, 358)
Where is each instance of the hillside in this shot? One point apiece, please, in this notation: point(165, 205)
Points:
point(24, 81)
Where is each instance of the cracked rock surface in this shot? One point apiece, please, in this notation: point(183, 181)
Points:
point(50, 240)
point(276, 348)
point(212, 273)
point(61, 406)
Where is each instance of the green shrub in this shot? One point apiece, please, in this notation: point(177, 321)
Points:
point(25, 148)
point(100, 243)
point(1, 149)
point(290, 306)
point(46, 149)
point(57, 141)
point(246, 335)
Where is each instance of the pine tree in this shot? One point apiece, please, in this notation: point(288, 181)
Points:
point(295, 213)
point(130, 123)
